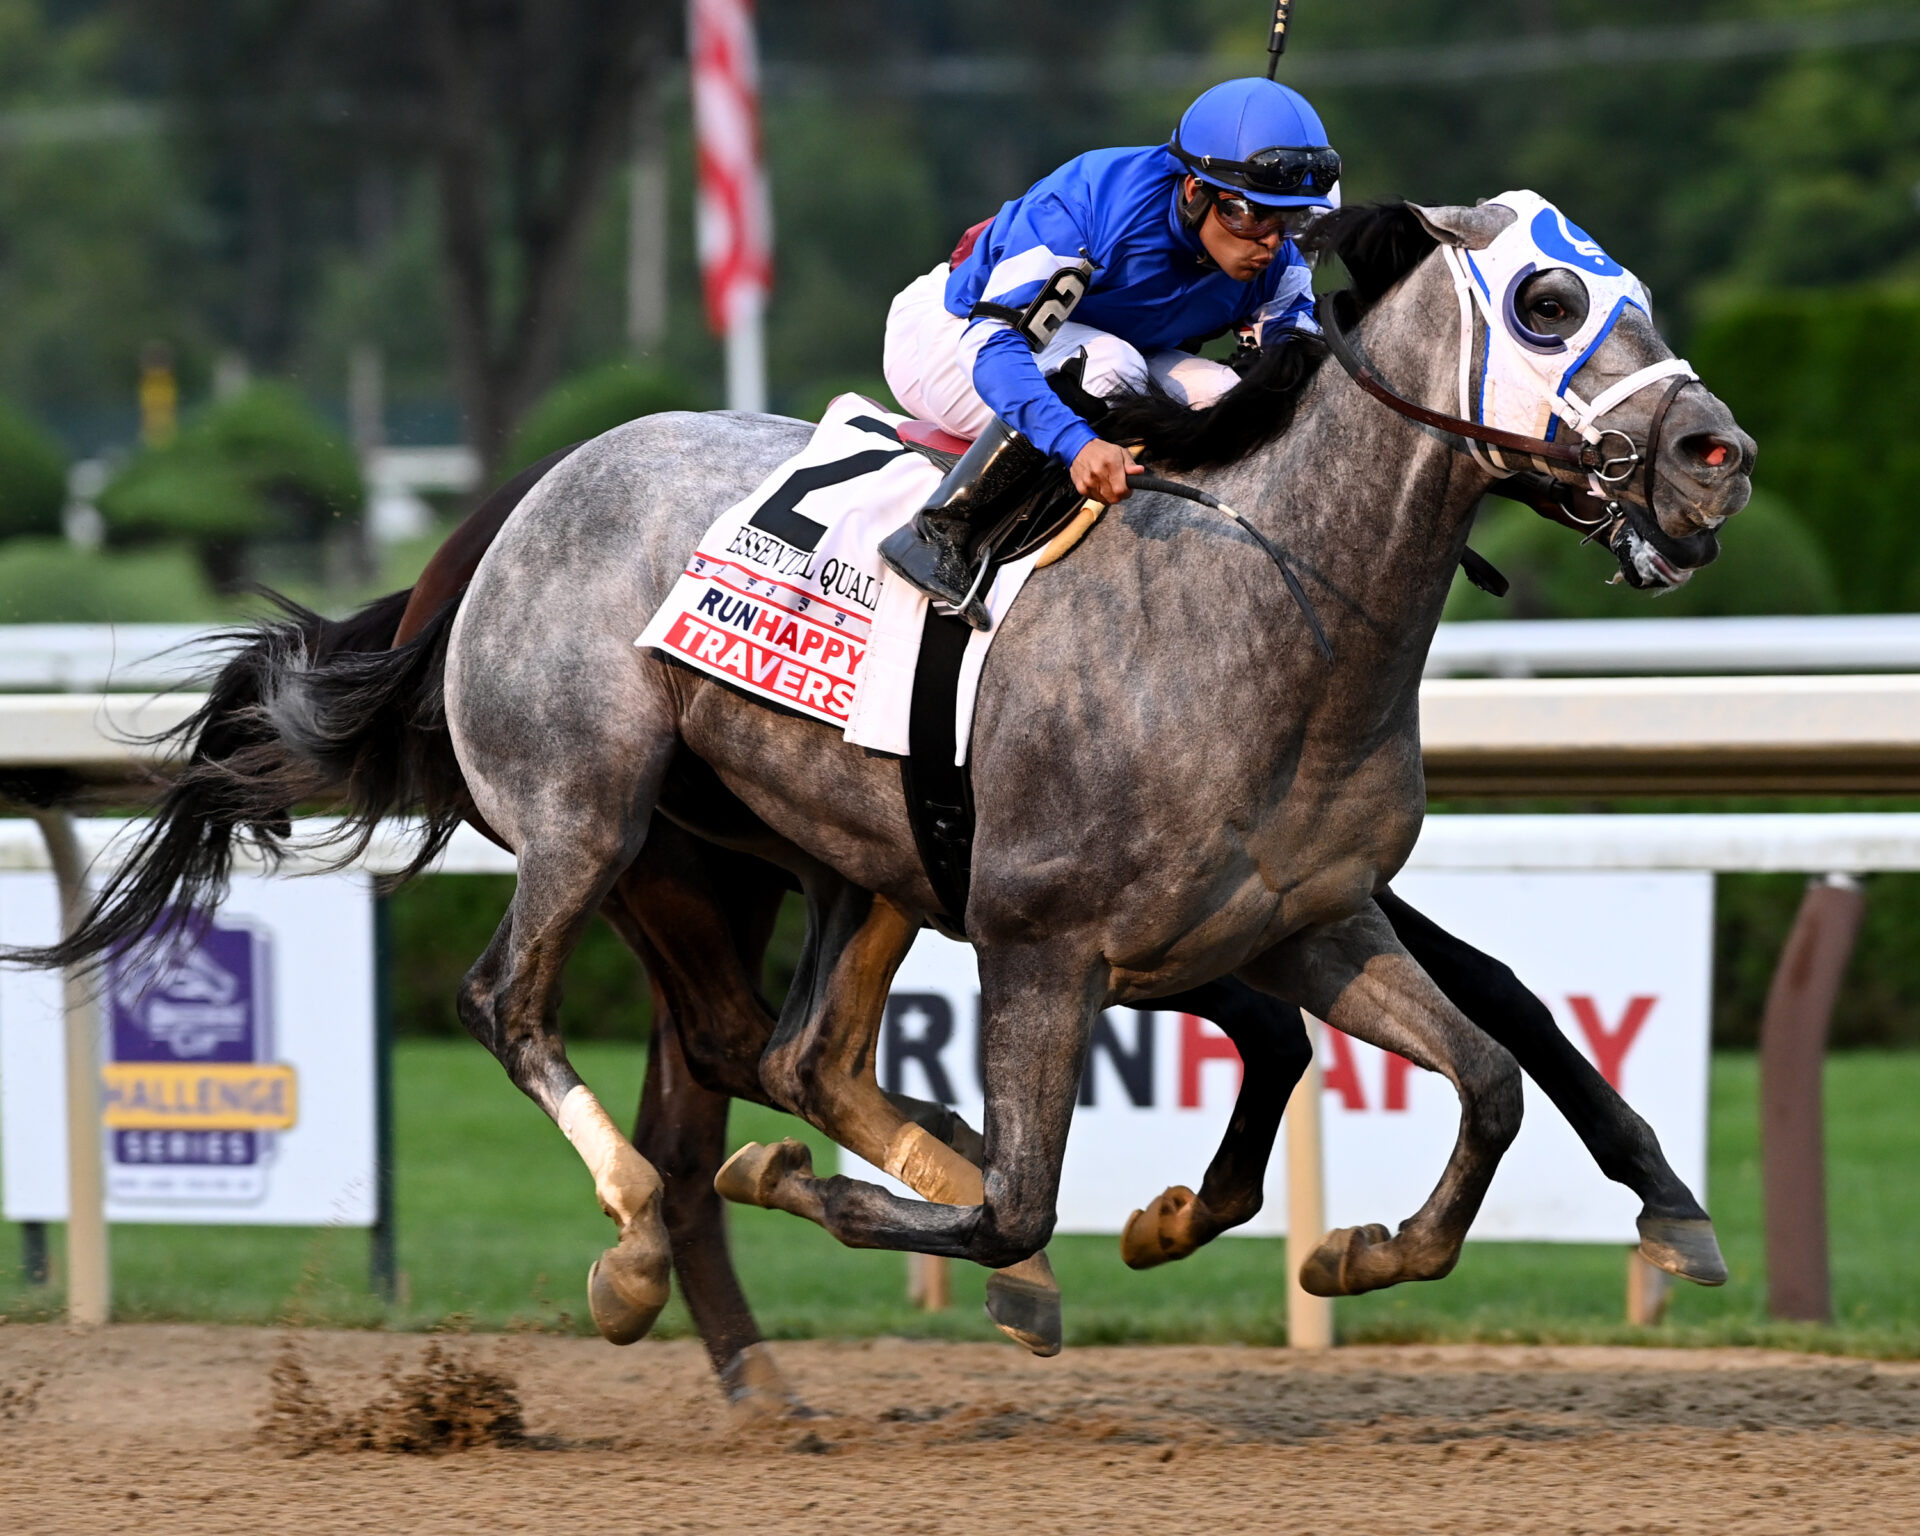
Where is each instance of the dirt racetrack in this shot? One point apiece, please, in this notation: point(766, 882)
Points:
point(158, 1429)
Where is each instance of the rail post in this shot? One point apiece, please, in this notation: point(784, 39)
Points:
point(89, 1272)
point(929, 1282)
point(1309, 1318)
point(382, 1265)
point(33, 1252)
point(1793, 1044)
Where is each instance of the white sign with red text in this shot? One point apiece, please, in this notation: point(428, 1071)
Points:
point(778, 600)
point(1623, 961)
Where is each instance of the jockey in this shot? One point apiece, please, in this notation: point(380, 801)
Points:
point(1151, 251)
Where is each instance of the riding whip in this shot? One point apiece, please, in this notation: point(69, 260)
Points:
point(1277, 39)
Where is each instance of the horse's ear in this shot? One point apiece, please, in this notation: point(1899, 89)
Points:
point(1474, 228)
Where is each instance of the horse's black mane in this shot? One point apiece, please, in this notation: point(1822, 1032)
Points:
point(1379, 243)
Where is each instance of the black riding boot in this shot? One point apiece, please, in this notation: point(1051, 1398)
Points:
point(932, 550)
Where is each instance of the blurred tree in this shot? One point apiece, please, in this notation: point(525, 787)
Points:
point(101, 248)
point(1829, 384)
point(1769, 563)
point(33, 478)
point(259, 465)
point(301, 109)
point(531, 104)
point(594, 402)
point(49, 581)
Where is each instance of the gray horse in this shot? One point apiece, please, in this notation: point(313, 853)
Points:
point(1171, 784)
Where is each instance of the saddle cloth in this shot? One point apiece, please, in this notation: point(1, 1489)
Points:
point(787, 601)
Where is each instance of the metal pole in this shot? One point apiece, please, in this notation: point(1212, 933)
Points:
point(33, 1251)
point(1647, 1291)
point(747, 355)
point(382, 1270)
point(929, 1282)
point(1793, 1044)
point(89, 1273)
point(1309, 1318)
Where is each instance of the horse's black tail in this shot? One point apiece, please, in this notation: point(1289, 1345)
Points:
point(304, 710)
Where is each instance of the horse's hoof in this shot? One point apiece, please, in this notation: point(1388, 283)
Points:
point(1683, 1246)
point(753, 1174)
point(1339, 1267)
point(1166, 1230)
point(756, 1391)
point(628, 1284)
point(1026, 1311)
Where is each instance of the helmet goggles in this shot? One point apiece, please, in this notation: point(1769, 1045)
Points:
point(1281, 171)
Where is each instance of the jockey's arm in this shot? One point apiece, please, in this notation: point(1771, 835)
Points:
point(1286, 306)
point(1046, 236)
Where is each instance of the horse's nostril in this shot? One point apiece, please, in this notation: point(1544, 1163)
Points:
point(1711, 451)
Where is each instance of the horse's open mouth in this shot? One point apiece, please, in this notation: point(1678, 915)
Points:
point(1651, 558)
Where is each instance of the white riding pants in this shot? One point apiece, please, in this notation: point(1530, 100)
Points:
point(924, 369)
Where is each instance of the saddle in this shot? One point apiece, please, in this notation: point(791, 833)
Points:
point(1053, 513)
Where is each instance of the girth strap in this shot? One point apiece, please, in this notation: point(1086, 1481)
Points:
point(939, 792)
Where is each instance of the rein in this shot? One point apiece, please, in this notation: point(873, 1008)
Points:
point(1193, 493)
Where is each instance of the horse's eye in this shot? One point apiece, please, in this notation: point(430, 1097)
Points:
point(1550, 309)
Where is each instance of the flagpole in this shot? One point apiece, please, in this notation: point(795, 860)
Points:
point(733, 213)
point(747, 352)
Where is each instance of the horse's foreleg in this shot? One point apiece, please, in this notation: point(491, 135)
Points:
point(1272, 1041)
point(820, 1066)
point(1356, 976)
point(1675, 1231)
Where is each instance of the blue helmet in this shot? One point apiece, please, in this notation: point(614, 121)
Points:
point(1262, 140)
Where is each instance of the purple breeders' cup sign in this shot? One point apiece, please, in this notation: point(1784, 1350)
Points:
point(201, 997)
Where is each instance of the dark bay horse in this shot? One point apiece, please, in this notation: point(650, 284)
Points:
point(1197, 795)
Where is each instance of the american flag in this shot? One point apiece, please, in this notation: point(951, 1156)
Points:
point(734, 219)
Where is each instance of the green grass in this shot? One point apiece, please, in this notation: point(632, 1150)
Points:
point(497, 1226)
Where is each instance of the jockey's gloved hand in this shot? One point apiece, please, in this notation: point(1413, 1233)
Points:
point(1101, 470)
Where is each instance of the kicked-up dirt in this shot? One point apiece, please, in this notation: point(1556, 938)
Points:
point(211, 1430)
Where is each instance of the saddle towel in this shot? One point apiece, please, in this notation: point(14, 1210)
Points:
point(786, 599)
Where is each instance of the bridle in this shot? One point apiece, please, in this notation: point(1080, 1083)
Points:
point(1615, 465)
point(1614, 470)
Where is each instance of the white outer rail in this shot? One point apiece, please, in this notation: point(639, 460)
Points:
point(1878, 642)
point(1486, 735)
point(1791, 842)
point(147, 657)
point(86, 731)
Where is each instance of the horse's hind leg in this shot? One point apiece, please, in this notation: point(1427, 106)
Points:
point(1356, 976)
point(1039, 1002)
point(699, 920)
point(1274, 1051)
point(820, 1066)
point(1675, 1231)
point(682, 1131)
